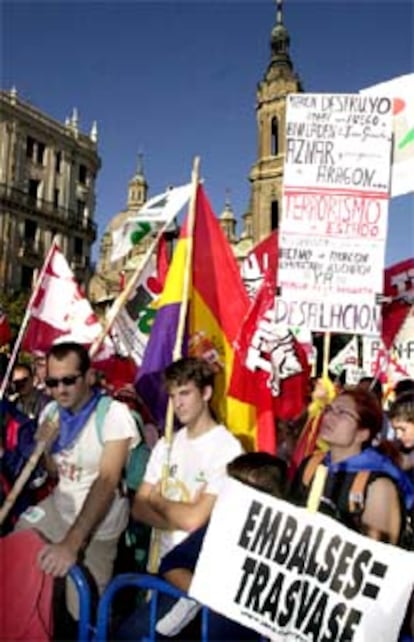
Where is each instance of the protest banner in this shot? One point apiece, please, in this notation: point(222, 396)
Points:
point(347, 360)
point(401, 89)
point(376, 357)
point(261, 258)
point(399, 298)
point(297, 576)
point(335, 202)
point(132, 325)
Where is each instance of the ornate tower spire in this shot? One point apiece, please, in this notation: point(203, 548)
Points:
point(137, 186)
point(227, 219)
point(280, 41)
point(266, 175)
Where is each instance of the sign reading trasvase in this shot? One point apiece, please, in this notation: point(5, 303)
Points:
point(335, 205)
point(296, 576)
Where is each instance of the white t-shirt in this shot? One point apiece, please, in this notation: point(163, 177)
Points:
point(78, 468)
point(195, 463)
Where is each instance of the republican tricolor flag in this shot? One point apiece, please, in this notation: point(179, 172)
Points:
point(217, 303)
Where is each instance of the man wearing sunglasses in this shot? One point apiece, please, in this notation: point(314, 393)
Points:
point(85, 514)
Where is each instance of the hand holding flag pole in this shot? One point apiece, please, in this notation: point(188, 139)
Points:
point(45, 434)
point(177, 353)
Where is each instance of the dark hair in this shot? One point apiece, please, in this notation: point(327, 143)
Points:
point(23, 366)
point(372, 384)
point(403, 407)
point(61, 350)
point(367, 408)
point(260, 470)
point(404, 385)
point(189, 369)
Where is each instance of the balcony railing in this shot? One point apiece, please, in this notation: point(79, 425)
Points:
point(12, 197)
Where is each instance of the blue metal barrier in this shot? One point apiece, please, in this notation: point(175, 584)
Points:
point(85, 603)
point(149, 583)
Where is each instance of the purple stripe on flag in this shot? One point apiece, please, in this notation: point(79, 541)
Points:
point(158, 355)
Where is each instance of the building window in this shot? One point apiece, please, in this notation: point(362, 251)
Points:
point(35, 150)
point(56, 198)
point(80, 208)
point(30, 229)
point(58, 162)
point(83, 172)
point(26, 277)
point(78, 246)
point(30, 146)
point(275, 137)
point(40, 154)
point(274, 223)
point(33, 192)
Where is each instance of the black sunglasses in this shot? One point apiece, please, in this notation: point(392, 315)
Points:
point(69, 380)
point(19, 383)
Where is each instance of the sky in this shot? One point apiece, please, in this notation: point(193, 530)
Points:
point(177, 79)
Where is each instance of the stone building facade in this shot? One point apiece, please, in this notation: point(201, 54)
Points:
point(107, 281)
point(48, 172)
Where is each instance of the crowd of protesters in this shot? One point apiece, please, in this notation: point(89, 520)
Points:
point(81, 512)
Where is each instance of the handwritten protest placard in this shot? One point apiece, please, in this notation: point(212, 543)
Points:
point(296, 576)
point(335, 203)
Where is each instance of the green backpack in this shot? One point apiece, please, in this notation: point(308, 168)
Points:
point(138, 456)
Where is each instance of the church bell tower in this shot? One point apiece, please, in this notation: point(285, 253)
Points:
point(266, 175)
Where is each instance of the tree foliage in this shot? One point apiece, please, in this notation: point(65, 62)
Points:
point(14, 306)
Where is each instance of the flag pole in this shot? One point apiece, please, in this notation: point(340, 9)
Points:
point(26, 318)
point(326, 351)
point(178, 346)
point(123, 297)
point(154, 553)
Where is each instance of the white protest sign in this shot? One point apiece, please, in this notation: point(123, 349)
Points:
point(335, 200)
point(334, 316)
point(296, 576)
point(401, 89)
point(402, 351)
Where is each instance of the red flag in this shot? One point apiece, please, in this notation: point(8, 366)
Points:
point(162, 261)
point(59, 309)
point(5, 332)
point(260, 259)
point(399, 285)
point(271, 369)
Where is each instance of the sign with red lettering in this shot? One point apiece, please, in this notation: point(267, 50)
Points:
point(335, 201)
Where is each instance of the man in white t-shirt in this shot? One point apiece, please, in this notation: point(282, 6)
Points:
point(85, 514)
point(196, 461)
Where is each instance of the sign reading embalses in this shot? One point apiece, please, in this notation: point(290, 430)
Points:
point(296, 576)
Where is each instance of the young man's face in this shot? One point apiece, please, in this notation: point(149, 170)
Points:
point(404, 431)
point(68, 386)
point(22, 381)
point(189, 402)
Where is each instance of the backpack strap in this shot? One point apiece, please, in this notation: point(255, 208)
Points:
point(311, 466)
point(356, 497)
point(140, 425)
point(102, 408)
